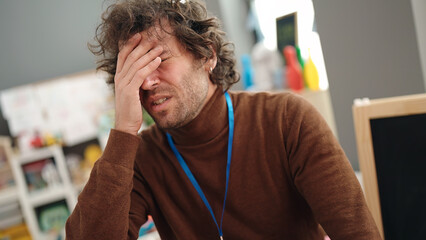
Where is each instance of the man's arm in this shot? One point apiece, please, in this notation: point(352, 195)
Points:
point(104, 209)
point(323, 175)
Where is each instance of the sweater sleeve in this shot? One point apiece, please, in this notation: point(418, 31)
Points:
point(323, 175)
point(104, 209)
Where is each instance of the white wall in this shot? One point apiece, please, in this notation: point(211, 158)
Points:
point(44, 39)
point(269, 10)
point(419, 12)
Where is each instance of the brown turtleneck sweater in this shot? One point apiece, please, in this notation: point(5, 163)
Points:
point(288, 175)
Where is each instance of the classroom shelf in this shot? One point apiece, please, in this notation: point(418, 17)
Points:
point(35, 198)
point(8, 195)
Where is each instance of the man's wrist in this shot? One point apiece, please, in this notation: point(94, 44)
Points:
point(121, 147)
point(128, 130)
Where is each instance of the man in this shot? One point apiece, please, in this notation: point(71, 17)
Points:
point(216, 165)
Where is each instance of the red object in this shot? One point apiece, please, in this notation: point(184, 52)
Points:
point(294, 70)
point(37, 142)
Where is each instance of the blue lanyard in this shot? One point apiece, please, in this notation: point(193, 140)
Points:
point(228, 165)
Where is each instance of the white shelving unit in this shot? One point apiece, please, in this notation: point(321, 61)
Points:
point(10, 210)
point(32, 199)
point(10, 214)
point(8, 195)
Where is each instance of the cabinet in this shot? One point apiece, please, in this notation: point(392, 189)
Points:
point(46, 193)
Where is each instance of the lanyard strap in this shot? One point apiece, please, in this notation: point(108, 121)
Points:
point(228, 164)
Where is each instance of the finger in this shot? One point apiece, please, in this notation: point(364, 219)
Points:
point(143, 48)
point(143, 73)
point(126, 50)
point(142, 62)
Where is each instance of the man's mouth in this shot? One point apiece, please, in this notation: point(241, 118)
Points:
point(159, 101)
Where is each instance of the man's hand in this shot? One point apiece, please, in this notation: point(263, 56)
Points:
point(137, 59)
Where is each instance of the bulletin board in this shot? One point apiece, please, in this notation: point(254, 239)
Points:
point(391, 141)
point(68, 106)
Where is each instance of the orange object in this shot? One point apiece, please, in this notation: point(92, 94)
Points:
point(18, 232)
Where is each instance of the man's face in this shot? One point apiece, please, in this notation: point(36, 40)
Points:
point(183, 86)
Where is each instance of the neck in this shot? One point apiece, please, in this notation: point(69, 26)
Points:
point(210, 122)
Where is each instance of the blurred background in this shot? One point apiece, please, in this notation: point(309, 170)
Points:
point(56, 111)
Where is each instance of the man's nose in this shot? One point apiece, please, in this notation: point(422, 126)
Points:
point(151, 82)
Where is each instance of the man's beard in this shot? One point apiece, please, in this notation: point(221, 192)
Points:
point(184, 108)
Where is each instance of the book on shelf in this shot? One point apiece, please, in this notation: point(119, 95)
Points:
point(41, 174)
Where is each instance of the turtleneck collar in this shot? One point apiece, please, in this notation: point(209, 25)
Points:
point(212, 119)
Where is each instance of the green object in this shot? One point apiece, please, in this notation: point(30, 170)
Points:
point(299, 57)
point(147, 118)
point(53, 217)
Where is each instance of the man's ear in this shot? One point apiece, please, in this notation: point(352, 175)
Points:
point(212, 61)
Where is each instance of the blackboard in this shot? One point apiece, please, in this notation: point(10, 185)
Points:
point(391, 141)
point(399, 145)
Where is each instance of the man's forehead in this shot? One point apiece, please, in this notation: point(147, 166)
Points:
point(163, 35)
point(159, 32)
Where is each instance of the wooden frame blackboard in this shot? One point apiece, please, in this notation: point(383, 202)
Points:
point(391, 141)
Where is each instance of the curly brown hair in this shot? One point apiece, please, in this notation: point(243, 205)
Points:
point(198, 33)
